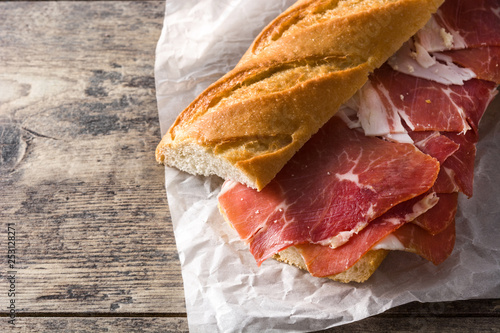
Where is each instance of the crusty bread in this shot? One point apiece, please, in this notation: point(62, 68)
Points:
point(292, 79)
point(360, 272)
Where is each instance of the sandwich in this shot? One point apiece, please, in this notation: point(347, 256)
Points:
point(347, 130)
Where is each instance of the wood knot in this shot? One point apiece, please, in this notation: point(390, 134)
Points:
point(12, 147)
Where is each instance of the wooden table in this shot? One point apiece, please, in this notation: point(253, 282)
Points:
point(94, 247)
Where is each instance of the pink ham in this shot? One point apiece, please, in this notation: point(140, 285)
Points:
point(439, 217)
point(461, 164)
point(435, 248)
point(457, 171)
point(438, 221)
point(430, 106)
point(483, 61)
point(324, 261)
point(456, 153)
point(471, 23)
point(445, 182)
point(434, 144)
point(477, 101)
point(331, 189)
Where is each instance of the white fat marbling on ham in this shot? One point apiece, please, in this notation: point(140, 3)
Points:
point(325, 260)
point(425, 105)
point(483, 61)
point(420, 63)
point(470, 23)
point(341, 238)
point(377, 113)
point(496, 11)
point(349, 116)
point(437, 36)
point(398, 137)
point(461, 113)
point(390, 242)
point(227, 186)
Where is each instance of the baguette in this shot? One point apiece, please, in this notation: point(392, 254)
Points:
point(293, 78)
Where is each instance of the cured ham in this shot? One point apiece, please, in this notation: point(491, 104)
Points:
point(329, 191)
point(439, 217)
point(434, 144)
point(445, 183)
point(461, 164)
point(426, 105)
point(413, 59)
point(483, 61)
point(425, 214)
point(461, 32)
point(435, 248)
point(324, 261)
point(377, 113)
point(460, 24)
point(439, 116)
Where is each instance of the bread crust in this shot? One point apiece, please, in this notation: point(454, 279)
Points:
point(359, 272)
point(293, 78)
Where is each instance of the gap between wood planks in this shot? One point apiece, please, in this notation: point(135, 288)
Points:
point(98, 314)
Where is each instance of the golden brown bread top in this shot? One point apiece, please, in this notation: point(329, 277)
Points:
point(292, 79)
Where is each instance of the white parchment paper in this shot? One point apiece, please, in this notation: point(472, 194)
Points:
point(225, 290)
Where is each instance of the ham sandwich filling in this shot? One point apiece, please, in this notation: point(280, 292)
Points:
point(389, 166)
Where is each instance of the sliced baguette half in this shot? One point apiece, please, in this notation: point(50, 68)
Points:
point(293, 78)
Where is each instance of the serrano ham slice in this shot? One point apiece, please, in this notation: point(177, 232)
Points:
point(456, 153)
point(324, 261)
point(460, 24)
point(434, 144)
point(425, 105)
point(435, 248)
point(483, 61)
point(461, 164)
point(439, 217)
point(331, 189)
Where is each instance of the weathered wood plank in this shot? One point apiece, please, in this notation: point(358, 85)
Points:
point(78, 126)
point(470, 308)
point(96, 324)
point(420, 324)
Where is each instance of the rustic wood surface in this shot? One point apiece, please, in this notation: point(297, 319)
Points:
point(94, 244)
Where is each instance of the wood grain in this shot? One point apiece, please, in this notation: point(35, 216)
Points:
point(78, 127)
point(98, 324)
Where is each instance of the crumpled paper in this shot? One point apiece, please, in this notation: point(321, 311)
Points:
point(225, 290)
